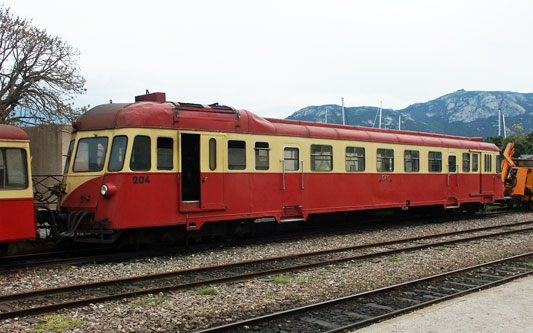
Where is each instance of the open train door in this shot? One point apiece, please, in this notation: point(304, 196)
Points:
point(201, 183)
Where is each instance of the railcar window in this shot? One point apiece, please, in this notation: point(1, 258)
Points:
point(13, 169)
point(262, 155)
point(118, 152)
point(90, 154)
point(488, 163)
point(452, 163)
point(475, 162)
point(499, 164)
point(291, 159)
point(466, 162)
point(385, 160)
point(321, 158)
point(141, 154)
point(212, 154)
point(355, 159)
point(435, 161)
point(69, 156)
point(236, 155)
point(164, 153)
point(412, 161)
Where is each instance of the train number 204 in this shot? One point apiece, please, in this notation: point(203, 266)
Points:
point(141, 180)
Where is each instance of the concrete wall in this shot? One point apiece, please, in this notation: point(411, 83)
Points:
point(49, 147)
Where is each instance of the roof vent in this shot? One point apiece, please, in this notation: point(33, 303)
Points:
point(153, 97)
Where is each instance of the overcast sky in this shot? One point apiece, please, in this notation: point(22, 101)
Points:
point(275, 57)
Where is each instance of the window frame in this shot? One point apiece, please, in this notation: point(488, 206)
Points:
point(123, 155)
point(411, 160)
point(383, 158)
point(6, 168)
point(355, 158)
point(454, 170)
point(466, 162)
point(258, 149)
point(321, 156)
point(487, 163)
point(439, 160)
point(243, 149)
point(475, 162)
point(212, 154)
point(297, 149)
point(158, 167)
point(69, 156)
point(78, 149)
point(149, 153)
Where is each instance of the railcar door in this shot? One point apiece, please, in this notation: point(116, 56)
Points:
point(190, 171)
point(292, 183)
point(452, 182)
point(201, 181)
point(211, 174)
point(487, 177)
point(476, 168)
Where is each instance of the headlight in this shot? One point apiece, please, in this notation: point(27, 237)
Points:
point(104, 190)
point(108, 190)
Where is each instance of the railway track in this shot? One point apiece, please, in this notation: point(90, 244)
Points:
point(109, 253)
point(47, 300)
point(362, 309)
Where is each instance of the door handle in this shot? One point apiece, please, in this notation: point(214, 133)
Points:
point(204, 179)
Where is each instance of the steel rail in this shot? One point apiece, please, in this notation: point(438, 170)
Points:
point(57, 290)
point(8, 263)
point(139, 278)
point(316, 306)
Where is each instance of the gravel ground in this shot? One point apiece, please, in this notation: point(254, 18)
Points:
point(196, 308)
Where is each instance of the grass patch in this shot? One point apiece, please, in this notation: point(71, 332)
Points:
point(529, 264)
point(440, 249)
point(396, 258)
point(56, 323)
point(207, 291)
point(303, 281)
point(508, 228)
point(281, 279)
point(149, 299)
point(325, 271)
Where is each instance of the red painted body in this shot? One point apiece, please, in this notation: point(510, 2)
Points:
point(17, 220)
point(8, 132)
point(260, 195)
point(250, 195)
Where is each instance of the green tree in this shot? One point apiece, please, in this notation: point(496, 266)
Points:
point(39, 74)
point(523, 142)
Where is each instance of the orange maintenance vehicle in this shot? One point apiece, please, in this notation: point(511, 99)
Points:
point(517, 176)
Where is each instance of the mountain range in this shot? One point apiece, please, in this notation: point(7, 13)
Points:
point(464, 113)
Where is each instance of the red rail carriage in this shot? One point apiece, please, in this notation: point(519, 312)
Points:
point(17, 221)
point(156, 163)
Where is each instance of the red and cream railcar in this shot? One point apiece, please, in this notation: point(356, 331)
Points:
point(156, 163)
point(17, 219)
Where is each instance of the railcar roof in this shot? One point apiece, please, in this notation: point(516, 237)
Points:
point(8, 132)
point(218, 118)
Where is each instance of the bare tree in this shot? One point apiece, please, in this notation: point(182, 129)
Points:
point(39, 74)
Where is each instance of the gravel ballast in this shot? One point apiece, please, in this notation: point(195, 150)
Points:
point(201, 307)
